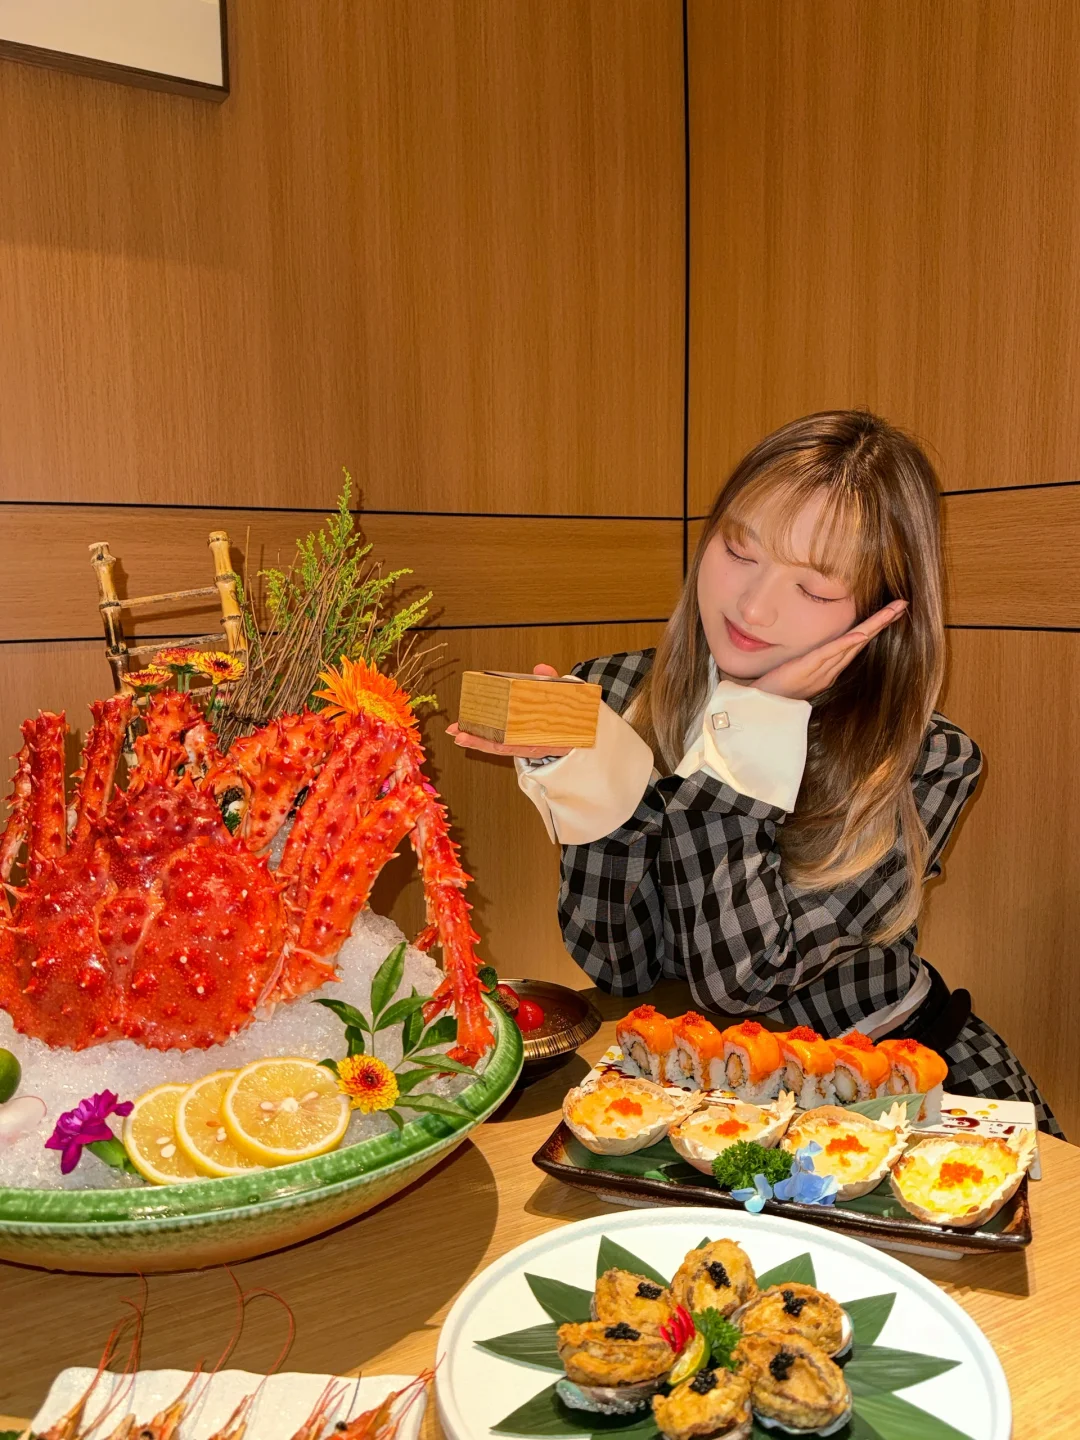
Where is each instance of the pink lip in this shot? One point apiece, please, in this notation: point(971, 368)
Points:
point(742, 641)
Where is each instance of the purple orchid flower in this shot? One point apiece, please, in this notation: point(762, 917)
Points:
point(804, 1184)
point(85, 1125)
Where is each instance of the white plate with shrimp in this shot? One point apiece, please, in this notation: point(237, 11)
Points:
point(283, 1406)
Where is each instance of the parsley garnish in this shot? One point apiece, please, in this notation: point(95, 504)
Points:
point(721, 1336)
point(735, 1167)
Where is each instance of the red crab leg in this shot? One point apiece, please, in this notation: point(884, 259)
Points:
point(48, 810)
point(100, 754)
point(346, 787)
point(160, 753)
point(18, 824)
point(272, 766)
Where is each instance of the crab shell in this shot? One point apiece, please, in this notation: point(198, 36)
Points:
point(699, 1150)
point(659, 1109)
point(1011, 1159)
point(830, 1122)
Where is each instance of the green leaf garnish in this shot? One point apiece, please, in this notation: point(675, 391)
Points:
point(354, 1039)
point(396, 1118)
point(412, 1029)
point(401, 1010)
point(897, 1419)
point(878, 1367)
point(488, 977)
point(348, 1013)
point(799, 1270)
point(611, 1256)
point(535, 1346)
point(868, 1316)
point(435, 1105)
point(565, 1304)
point(721, 1336)
point(386, 981)
point(443, 1032)
point(735, 1167)
point(330, 1065)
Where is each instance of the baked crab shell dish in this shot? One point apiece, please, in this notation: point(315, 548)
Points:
point(618, 1114)
point(796, 1389)
point(794, 1309)
point(611, 1369)
point(962, 1181)
point(711, 1405)
point(858, 1151)
point(701, 1136)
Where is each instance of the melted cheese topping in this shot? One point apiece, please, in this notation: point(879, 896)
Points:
point(721, 1126)
point(617, 1112)
point(850, 1153)
point(961, 1178)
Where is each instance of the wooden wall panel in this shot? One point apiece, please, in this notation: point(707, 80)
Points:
point(441, 243)
point(484, 570)
point(1004, 917)
point(885, 200)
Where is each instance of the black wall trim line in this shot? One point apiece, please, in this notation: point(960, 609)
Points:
point(290, 510)
point(686, 291)
point(424, 629)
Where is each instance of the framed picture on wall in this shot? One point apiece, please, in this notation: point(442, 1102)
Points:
point(177, 45)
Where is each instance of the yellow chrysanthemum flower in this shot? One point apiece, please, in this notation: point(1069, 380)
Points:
point(369, 1083)
point(220, 667)
point(151, 678)
point(177, 657)
point(359, 689)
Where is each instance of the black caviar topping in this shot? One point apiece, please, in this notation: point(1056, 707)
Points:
point(793, 1305)
point(781, 1364)
point(718, 1275)
point(648, 1291)
point(622, 1331)
point(703, 1382)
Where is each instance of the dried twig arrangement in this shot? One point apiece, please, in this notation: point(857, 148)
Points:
point(332, 601)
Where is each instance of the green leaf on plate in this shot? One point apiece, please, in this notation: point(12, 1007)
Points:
point(877, 1367)
point(354, 1040)
point(435, 1105)
point(439, 1064)
point(387, 979)
point(565, 1304)
point(400, 1010)
point(348, 1013)
point(896, 1419)
point(535, 1346)
point(611, 1256)
point(798, 1270)
point(544, 1414)
point(874, 1109)
point(868, 1316)
point(443, 1032)
point(702, 1243)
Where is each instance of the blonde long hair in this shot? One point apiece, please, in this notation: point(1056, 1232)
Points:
point(879, 531)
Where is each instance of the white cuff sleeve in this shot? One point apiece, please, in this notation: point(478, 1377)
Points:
point(587, 794)
point(752, 741)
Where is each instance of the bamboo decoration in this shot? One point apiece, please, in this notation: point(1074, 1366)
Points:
point(119, 652)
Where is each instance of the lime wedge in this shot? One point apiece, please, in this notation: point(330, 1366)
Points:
point(690, 1361)
point(10, 1075)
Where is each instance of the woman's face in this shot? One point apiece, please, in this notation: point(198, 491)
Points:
point(758, 611)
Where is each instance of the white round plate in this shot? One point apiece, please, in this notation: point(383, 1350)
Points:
point(476, 1390)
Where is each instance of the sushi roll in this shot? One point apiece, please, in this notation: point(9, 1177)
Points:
point(752, 1063)
point(645, 1039)
point(862, 1070)
point(916, 1070)
point(809, 1066)
point(696, 1058)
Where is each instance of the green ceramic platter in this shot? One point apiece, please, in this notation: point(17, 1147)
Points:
point(209, 1222)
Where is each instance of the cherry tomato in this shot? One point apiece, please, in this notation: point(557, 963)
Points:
point(529, 1015)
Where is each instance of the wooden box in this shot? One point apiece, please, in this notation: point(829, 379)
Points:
point(529, 709)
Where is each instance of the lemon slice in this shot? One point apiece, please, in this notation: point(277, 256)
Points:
point(201, 1131)
point(690, 1361)
point(150, 1137)
point(277, 1111)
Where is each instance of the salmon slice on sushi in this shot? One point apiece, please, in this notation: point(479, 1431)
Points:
point(753, 1065)
point(645, 1039)
point(696, 1058)
point(809, 1067)
point(916, 1070)
point(862, 1070)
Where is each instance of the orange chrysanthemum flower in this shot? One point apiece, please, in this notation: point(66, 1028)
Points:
point(359, 689)
point(177, 657)
point(151, 678)
point(369, 1083)
point(221, 668)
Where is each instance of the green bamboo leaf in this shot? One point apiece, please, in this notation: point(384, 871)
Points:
point(798, 1270)
point(354, 1039)
point(877, 1367)
point(565, 1304)
point(535, 1346)
point(874, 1109)
point(443, 1032)
point(544, 1414)
point(702, 1243)
point(435, 1105)
point(659, 1162)
point(400, 1010)
point(348, 1013)
point(613, 1257)
point(386, 981)
point(868, 1316)
point(896, 1419)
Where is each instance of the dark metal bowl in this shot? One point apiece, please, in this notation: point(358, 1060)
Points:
point(569, 1020)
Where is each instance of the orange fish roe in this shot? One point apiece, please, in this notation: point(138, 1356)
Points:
point(955, 1172)
point(858, 1041)
point(642, 1012)
point(624, 1106)
point(730, 1127)
point(751, 1027)
point(803, 1032)
point(910, 1047)
point(844, 1145)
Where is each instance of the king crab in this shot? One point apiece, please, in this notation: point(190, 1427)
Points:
point(143, 918)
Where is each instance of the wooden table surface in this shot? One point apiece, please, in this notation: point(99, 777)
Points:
point(372, 1295)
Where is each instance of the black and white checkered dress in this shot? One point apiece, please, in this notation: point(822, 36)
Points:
point(690, 888)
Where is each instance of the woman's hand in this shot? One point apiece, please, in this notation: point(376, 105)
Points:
point(492, 747)
point(808, 675)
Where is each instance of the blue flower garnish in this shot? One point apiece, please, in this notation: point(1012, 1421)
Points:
point(804, 1185)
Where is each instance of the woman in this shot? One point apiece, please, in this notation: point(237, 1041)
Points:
point(772, 787)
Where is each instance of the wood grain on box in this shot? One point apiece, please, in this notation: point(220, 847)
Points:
point(529, 710)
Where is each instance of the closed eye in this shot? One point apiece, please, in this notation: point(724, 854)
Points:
point(746, 559)
point(821, 599)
